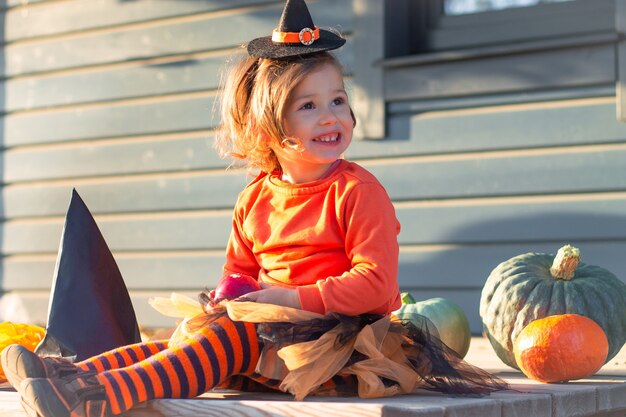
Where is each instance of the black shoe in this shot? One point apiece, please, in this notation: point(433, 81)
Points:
point(20, 363)
point(78, 395)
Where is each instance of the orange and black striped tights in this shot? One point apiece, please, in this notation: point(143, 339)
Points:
point(223, 354)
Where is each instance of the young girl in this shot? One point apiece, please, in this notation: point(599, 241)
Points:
point(319, 233)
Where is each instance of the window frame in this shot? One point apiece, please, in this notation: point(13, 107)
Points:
point(420, 26)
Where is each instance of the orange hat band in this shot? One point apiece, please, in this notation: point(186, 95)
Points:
point(306, 36)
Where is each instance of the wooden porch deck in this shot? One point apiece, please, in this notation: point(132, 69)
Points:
point(601, 395)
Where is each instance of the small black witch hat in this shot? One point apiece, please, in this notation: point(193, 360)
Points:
point(296, 34)
point(90, 310)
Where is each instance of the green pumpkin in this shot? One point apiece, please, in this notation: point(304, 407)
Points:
point(448, 318)
point(536, 285)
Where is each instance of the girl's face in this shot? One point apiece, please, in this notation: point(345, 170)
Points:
point(317, 115)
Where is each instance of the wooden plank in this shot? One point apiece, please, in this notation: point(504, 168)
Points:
point(173, 75)
point(180, 271)
point(515, 173)
point(178, 152)
point(532, 125)
point(459, 222)
point(188, 191)
point(277, 405)
point(399, 109)
point(27, 274)
point(572, 67)
point(449, 267)
point(459, 176)
point(157, 232)
point(146, 271)
point(56, 18)
point(189, 36)
point(177, 114)
point(180, 75)
point(572, 218)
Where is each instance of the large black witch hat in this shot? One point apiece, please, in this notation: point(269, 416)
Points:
point(296, 34)
point(90, 310)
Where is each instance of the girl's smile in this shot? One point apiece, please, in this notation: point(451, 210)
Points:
point(318, 121)
point(327, 138)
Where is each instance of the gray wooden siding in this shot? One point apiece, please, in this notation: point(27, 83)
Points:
point(508, 145)
point(117, 99)
point(499, 151)
point(476, 187)
point(490, 152)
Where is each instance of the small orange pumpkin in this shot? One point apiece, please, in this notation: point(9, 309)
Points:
point(561, 348)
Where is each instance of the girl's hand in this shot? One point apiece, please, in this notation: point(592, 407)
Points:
point(286, 297)
point(212, 302)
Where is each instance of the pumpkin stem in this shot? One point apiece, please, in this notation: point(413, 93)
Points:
point(565, 263)
point(407, 298)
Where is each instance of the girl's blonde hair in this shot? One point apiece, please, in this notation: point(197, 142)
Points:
point(254, 97)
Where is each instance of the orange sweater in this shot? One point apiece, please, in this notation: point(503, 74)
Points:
point(335, 239)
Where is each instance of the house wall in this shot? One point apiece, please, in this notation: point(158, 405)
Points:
point(503, 138)
point(116, 98)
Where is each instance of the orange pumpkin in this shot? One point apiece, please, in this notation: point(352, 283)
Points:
point(561, 348)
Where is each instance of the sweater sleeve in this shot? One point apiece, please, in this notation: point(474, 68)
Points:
point(370, 286)
point(239, 255)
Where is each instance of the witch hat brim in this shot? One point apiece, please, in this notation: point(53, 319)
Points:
point(266, 48)
point(90, 310)
point(296, 34)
